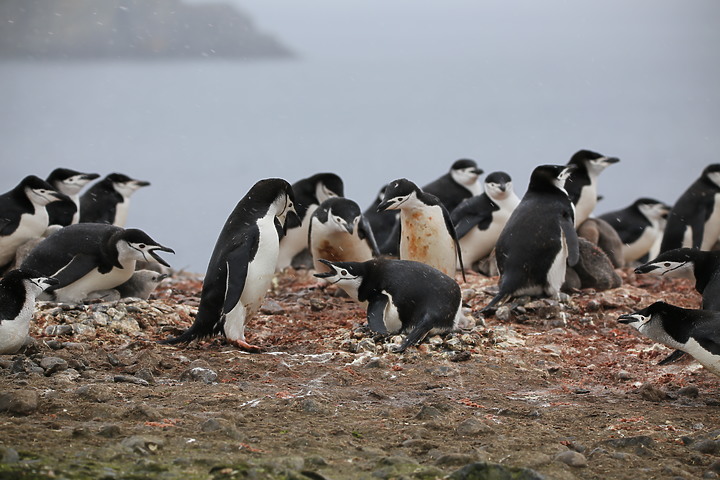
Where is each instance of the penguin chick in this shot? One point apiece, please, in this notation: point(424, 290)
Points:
point(68, 182)
point(339, 232)
point(459, 183)
point(694, 220)
point(242, 264)
point(638, 225)
point(18, 290)
point(308, 194)
point(91, 257)
point(582, 183)
point(479, 220)
point(401, 295)
point(539, 240)
point(23, 214)
point(427, 234)
point(141, 284)
point(696, 332)
point(108, 200)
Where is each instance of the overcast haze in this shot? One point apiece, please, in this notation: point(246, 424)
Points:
point(381, 90)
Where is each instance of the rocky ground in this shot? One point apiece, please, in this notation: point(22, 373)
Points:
point(544, 390)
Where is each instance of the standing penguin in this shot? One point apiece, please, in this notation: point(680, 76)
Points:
point(23, 214)
point(638, 226)
point(339, 232)
point(91, 257)
point(539, 240)
point(696, 332)
point(309, 193)
point(108, 200)
point(68, 182)
point(18, 289)
point(582, 183)
point(401, 296)
point(427, 234)
point(479, 220)
point(381, 223)
point(459, 183)
point(242, 264)
point(694, 220)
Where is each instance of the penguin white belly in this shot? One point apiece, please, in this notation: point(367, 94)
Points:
point(642, 245)
point(295, 240)
point(556, 273)
point(425, 239)
point(711, 233)
point(586, 203)
point(94, 281)
point(121, 213)
point(705, 358)
point(478, 244)
point(338, 247)
point(14, 332)
point(76, 216)
point(391, 316)
point(259, 277)
point(30, 226)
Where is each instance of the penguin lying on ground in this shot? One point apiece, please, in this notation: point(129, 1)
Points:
point(696, 332)
point(308, 194)
point(479, 220)
point(339, 232)
point(242, 264)
point(91, 257)
point(18, 289)
point(581, 185)
point(459, 183)
point(23, 214)
point(401, 296)
point(694, 220)
point(141, 284)
point(381, 223)
point(539, 240)
point(703, 266)
point(108, 200)
point(68, 182)
point(639, 226)
point(427, 234)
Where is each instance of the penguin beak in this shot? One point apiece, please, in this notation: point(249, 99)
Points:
point(628, 318)
point(611, 160)
point(157, 257)
point(90, 176)
point(51, 281)
point(478, 171)
point(162, 277)
point(328, 274)
point(349, 228)
point(138, 183)
point(646, 268)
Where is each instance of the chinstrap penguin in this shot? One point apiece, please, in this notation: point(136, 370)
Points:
point(696, 332)
point(539, 240)
point(639, 226)
point(68, 182)
point(694, 220)
point(459, 183)
point(242, 264)
point(427, 234)
point(382, 223)
point(18, 290)
point(91, 257)
point(308, 194)
point(339, 232)
point(582, 183)
point(479, 220)
point(108, 200)
point(23, 214)
point(401, 296)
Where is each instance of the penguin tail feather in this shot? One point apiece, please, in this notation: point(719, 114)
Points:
point(186, 337)
point(500, 298)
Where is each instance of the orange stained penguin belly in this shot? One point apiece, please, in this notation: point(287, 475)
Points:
point(425, 238)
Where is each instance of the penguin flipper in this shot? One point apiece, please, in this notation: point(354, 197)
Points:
point(376, 314)
point(78, 267)
point(4, 223)
point(571, 239)
point(365, 232)
point(708, 338)
point(237, 268)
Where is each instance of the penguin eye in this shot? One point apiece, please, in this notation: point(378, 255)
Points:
point(142, 245)
point(667, 264)
point(343, 272)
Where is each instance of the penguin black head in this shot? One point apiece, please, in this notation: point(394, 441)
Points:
point(651, 208)
point(550, 177)
point(38, 191)
point(498, 185)
point(591, 161)
point(465, 171)
point(671, 262)
point(341, 212)
point(398, 192)
point(343, 273)
point(653, 314)
point(124, 184)
point(712, 173)
point(141, 245)
point(69, 181)
point(274, 192)
point(327, 185)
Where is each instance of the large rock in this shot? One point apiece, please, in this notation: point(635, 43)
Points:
point(19, 402)
point(493, 471)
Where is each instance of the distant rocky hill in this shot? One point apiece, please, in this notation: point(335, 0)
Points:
point(152, 29)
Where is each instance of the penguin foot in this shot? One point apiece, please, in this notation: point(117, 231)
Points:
point(243, 345)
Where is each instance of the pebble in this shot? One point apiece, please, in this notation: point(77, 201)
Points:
point(472, 427)
point(96, 393)
point(481, 470)
point(199, 374)
point(504, 313)
point(428, 412)
point(130, 379)
point(19, 402)
point(59, 330)
point(572, 458)
point(109, 431)
point(454, 460)
point(705, 446)
point(271, 307)
point(623, 375)
point(144, 445)
point(8, 455)
point(652, 393)
point(690, 391)
point(53, 364)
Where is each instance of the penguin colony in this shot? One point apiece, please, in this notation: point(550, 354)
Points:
point(399, 258)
